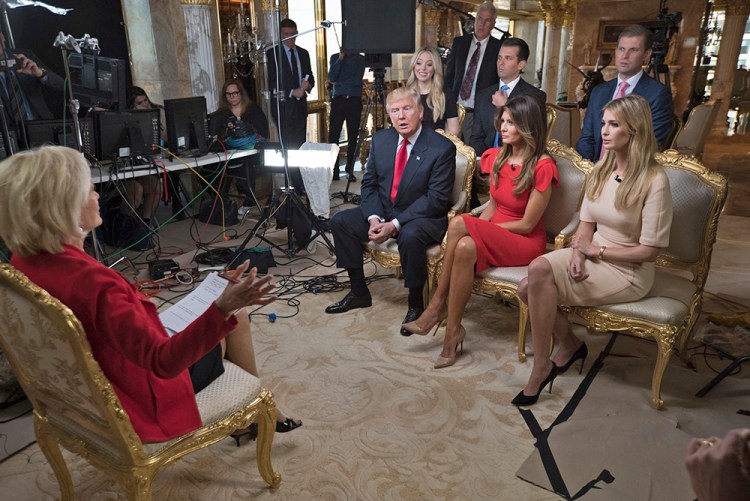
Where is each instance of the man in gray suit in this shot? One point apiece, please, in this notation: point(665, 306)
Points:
point(511, 60)
point(405, 195)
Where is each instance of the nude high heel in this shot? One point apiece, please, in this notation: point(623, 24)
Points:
point(416, 329)
point(441, 362)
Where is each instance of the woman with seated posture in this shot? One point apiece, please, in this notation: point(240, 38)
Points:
point(510, 230)
point(47, 207)
point(426, 75)
point(243, 119)
point(626, 216)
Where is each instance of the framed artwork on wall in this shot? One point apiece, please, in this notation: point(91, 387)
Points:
point(608, 33)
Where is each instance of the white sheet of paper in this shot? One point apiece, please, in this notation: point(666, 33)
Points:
point(182, 314)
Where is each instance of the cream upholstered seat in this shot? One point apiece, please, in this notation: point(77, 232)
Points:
point(669, 311)
point(560, 221)
point(386, 253)
point(76, 407)
point(691, 139)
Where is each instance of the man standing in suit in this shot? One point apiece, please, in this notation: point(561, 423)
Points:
point(511, 60)
point(471, 63)
point(296, 80)
point(633, 51)
point(405, 194)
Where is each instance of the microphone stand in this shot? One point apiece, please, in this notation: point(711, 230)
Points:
point(292, 198)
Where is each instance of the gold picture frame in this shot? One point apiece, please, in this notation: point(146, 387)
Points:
point(608, 33)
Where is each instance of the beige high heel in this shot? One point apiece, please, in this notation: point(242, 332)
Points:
point(416, 329)
point(441, 362)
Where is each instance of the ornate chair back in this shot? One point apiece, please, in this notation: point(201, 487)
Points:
point(551, 118)
point(563, 129)
point(461, 115)
point(676, 128)
point(692, 138)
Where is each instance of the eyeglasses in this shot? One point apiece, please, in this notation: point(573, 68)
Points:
point(232, 94)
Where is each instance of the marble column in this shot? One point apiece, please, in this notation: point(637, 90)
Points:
point(554, 13)
point(726, 63)
point(566, 49)
point(532, 32)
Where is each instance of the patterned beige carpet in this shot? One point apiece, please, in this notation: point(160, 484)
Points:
point(380, 422)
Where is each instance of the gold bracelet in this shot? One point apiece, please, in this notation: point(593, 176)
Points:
point(601, 251)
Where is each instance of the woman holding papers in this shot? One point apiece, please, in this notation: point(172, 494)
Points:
point(47, 207)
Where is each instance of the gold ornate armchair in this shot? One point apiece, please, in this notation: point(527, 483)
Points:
point(551, 118)
point(667, 314)
point(566, 126)
point(76, 407)
point(386, 254)
point(560, 221)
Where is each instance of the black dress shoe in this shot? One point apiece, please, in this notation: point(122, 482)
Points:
point(336, 175)
point(350, 302)
point(411, 315)
point(352, 178)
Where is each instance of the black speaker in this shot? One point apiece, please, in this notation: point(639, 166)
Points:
point(380, 26)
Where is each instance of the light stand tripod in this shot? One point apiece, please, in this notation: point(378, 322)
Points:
point(287, 198)
point(376, 105)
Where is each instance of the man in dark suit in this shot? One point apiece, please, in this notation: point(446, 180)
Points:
point(296, 81)
point(633, 51)
point(459, 80)
point(408, 199)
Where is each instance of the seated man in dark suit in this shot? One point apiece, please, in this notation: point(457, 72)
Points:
point(405, 192)
point(511, 60)
point(633, 51)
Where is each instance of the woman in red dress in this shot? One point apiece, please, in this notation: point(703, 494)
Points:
point(510, 230)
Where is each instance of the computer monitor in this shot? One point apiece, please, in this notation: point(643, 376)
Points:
point(98, 81)
point(187, 125)
point(61, 133)
point(126, 133)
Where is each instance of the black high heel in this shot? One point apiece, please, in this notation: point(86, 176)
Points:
point(251, 431)
point(288, 425)
point(523, 399)
point(582, 352)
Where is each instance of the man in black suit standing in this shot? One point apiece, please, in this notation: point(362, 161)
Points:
point(405, 194)
point(471, 63)
point(296, 81)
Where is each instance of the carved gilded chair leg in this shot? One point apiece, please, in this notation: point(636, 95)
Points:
point(662, 360)
point(137, 484)
point(51, 449)
point(523, 322)
point(685, 335)
point(266, 430)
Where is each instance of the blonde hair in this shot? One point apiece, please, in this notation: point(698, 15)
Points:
point(436, 96)
point(42, 194)
point(634, 116)
point(530, 120)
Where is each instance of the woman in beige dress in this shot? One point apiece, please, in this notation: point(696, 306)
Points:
point(626, 217)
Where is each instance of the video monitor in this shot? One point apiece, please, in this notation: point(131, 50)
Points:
point(187, 125)
point(61, 133)
point(98, 81)
point(126, 133)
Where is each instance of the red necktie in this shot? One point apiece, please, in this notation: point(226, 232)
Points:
point(468, 82)
point(619, 94)
point(398, 169)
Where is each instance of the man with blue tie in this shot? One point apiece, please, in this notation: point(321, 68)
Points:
point(405, 195)
point(511, 60)
point(633, 51)
point(296, 79)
